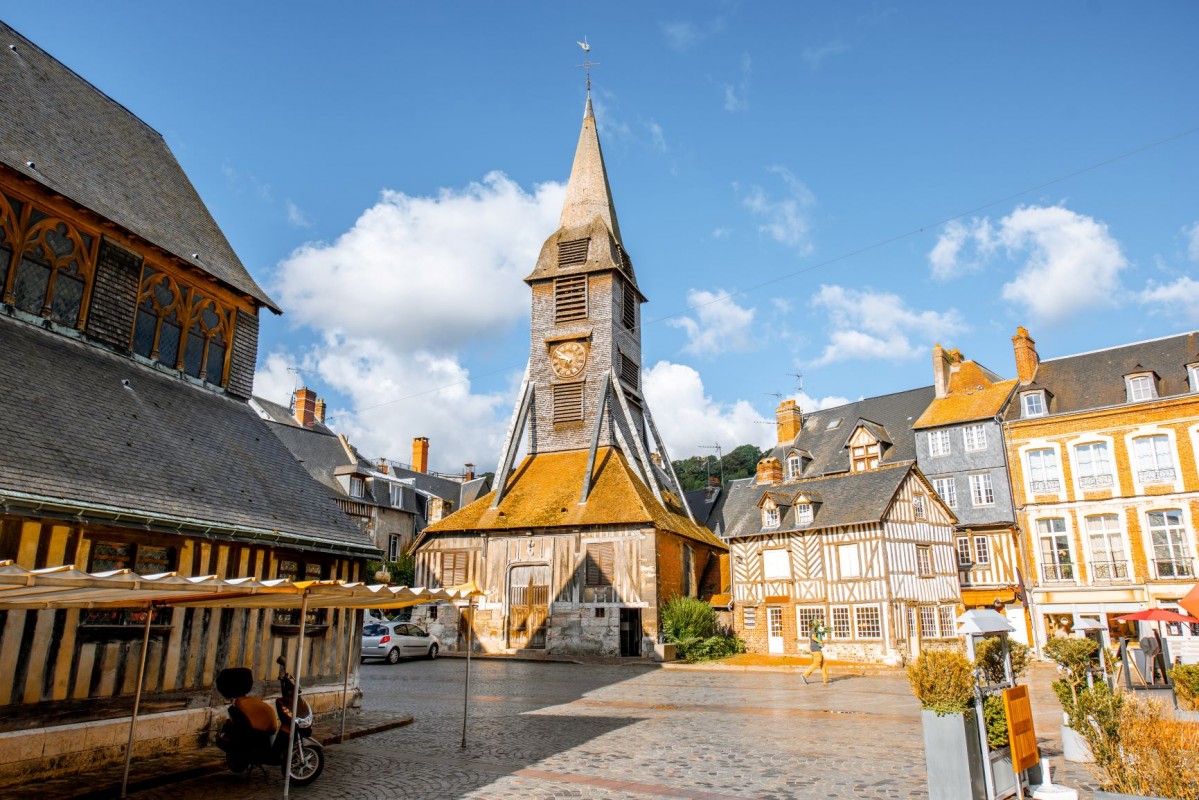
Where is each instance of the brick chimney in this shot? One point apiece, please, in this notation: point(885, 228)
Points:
point(304, 404)
point(770, 471)
point(319, 410)
point(381, 465)
point(789, 419)
point(469, 473)
point(1027, 359)
point(420, 454)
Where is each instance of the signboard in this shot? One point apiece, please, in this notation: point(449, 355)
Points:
point(1021, 736)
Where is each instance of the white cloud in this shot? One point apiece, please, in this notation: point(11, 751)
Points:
point(656, 135)
point(275, 379)
point(876, 325)
point(688, 418)
point(785, 218)
point(736, 97)
point(1070, 261)
point(682, 35)
point(296, 217)
point(394, 299)
point(1192, 234)
point(808, 403)
point(721, 232)
point(719, 324)
point(1178, 299)
point(430, 272)
point(815, 56)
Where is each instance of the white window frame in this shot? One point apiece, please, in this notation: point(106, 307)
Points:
point(1054, 567)
point(857, 622)
point(1193, 376)
point(1150, 464)
point(803, 513)
point(919, 508)
point(982, 550)
point(842, 628)
point(947, 490)
point(770, 516)
point(1033, 404)
point(965, 552)
point(776, 564)
point(1176, 545)
point(395, 547)
point(928, 622)
point(924, 561)
point(938, 442)
point(805, 616)
point(794, 467)
point(397, 495)
point(948, 615)
point(982, 493)
point(357, 487)
point(1095, 470)
point(974, 437)
point(1043, 470)
point(849, 564)
point(1112, 556)
point(1140, 387)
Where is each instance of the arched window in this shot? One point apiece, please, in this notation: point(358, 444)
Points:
point(53, 272)
point(10, 237)
point(181, 329)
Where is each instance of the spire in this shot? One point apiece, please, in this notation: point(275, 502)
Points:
point(588, 194)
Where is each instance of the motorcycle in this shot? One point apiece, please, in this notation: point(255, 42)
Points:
point(256, 735)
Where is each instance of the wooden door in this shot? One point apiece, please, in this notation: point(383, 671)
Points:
point(528, 606)
point(630, 632)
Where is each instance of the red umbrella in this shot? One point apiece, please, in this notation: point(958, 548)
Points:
point(1156, 615)
point(1191, 601)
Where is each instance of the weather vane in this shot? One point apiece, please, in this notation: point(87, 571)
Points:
point(587, 62)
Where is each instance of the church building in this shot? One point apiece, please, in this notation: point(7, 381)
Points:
point(579, 546)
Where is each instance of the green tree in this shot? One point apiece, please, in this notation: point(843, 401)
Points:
point(741, 462)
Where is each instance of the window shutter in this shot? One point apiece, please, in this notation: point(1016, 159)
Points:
point(570, 298)
point(454, 567)
point(568, 402)
point(600, 564)
point(629, 315)
point(628, 370)
point(572, 253)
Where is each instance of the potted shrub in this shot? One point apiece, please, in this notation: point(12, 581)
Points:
point(1186, 689)
point(1143, 753)
point(1075, 658)
point(943, 682)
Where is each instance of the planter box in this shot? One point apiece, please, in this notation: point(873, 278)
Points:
point(1075, 747)
point(1001, 772)
point(664, 652)
point(953, 757)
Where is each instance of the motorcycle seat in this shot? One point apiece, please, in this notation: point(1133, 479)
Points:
point(258, 714)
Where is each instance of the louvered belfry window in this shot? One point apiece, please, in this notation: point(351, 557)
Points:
point(628, 370)
point(568, 402)
point(572, 253)
point(570, 298)
point(454, 567)
point(629, 315)
point(600, 558)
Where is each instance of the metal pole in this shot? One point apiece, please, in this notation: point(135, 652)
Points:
point(470, 635)
point(137, 700)
point(295, 698)
point(345, 679)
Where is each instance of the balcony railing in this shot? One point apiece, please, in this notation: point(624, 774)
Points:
point(1057, 573)
point(1050, 486)
point(1109, 571)
point(1168, 568)
point(1095, 481)
point(1163, 475)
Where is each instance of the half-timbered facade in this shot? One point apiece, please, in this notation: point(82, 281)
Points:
point(840, 526)
point(129, 332)
point(960, 448)
point(576, 548)
point(1103, 448)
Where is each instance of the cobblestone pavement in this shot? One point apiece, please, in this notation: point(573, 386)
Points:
point(555, 730)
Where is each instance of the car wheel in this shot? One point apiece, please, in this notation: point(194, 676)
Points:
point(432, 651)
point(393, 655)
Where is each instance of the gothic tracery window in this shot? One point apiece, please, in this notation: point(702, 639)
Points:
point(181, 329)
point(47, 263)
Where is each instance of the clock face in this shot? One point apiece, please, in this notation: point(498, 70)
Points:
point(568, 359)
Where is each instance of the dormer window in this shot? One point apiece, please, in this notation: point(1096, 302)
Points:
point(1193, 376)
point(865, 457)
point(803, 513)
point(397, 495)
point(794, 466)
point(770, 516)
point(357, 486)
point(1034, 404)
point(1140, 387)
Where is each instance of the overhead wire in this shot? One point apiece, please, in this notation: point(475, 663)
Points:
point(827, 262)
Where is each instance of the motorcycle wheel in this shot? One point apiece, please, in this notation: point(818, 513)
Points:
point(307, 763)
point(236, 763)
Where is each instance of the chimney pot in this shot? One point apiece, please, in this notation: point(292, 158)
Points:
point(469, 473)
point(770, 471)
point(319, 410)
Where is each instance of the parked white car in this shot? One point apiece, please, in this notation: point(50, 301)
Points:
point(395, 640)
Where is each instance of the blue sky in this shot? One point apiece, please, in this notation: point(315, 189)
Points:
point(849, 182)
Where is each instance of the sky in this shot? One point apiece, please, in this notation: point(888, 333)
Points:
point(806, 189)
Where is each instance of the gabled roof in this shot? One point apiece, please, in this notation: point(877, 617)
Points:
point(70, 137)
point(851, 499)
point(1096, 379)
point(974, 393)
point(544, 493)
point(879, 432)
point(78, 437)
point(893, 412)
point(702, 502)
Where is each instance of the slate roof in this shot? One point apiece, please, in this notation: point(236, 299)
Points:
point(318, 452)
point(161, 447)
point(851, 499)
point(974, 393)
point(92, 150)
point(1096, 379)
point(702, 503)
point(544, 493)
point(893, 413)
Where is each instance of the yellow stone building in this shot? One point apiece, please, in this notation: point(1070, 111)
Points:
point(1103, 448)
